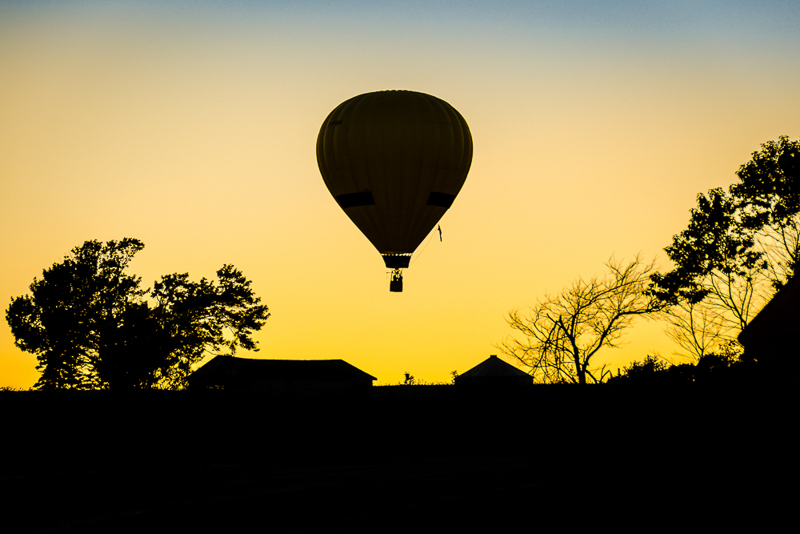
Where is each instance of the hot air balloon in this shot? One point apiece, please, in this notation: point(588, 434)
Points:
point(394, 161)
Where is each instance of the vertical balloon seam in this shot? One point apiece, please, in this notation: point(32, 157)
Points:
point(438, 132)
point(386, 151)
point(343, 163)
point(415, 146)
point(445, 169)
point(369, 214)
point(432, 126)
point(342, 159)
point(395, 147)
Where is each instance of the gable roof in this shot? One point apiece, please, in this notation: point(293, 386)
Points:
point(231, 368)
point(494, 367)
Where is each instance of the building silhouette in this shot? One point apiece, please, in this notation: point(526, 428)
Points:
point(494, 372)
point(250, 374)
point(771, 337)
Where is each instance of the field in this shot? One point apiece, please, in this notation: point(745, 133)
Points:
point(398, 458)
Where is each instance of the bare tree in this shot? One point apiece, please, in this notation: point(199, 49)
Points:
point(563, 333)
point(697, 328)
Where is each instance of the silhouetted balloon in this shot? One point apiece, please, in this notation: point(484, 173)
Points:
point(394, 161)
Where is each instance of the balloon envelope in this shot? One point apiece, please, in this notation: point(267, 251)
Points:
point(394, 161)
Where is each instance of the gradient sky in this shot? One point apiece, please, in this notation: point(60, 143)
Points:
point(193, 126)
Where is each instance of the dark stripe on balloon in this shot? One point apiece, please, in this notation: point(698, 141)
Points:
point(396, 261)
point(441, 199)
point(352, 200)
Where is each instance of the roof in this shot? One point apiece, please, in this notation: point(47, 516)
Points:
point(494, 367)
point(252, 369)
point(778, 318)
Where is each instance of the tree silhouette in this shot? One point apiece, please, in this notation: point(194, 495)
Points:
point(712, 367)
point(651, 369)
point(739, 247)
point(697, 327)
point(767, 199)
point(91, 325)
point(563, 333)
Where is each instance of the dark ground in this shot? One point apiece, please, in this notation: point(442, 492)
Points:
point(400, 458)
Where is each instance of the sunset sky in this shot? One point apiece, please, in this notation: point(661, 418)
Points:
point(192, 127)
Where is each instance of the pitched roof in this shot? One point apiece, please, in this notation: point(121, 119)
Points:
point(298, 370)
point(494, 367)
point(777, 319)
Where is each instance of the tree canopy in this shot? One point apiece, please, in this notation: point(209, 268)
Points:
point(92, 325)
point(740, 245)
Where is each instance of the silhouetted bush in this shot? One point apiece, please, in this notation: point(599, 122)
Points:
point(648, 371)
point(709, 368)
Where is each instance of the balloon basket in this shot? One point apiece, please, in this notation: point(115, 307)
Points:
point(396, 283)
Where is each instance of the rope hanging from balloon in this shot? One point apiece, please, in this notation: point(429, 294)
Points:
point(427, 241)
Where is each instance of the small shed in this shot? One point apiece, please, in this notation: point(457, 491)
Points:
point(233, 373)
point(494, 372)
point(772, 337)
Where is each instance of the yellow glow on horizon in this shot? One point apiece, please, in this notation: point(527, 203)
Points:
point(195, 132)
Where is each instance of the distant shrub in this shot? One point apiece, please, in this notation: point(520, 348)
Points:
point(409, 379)
point(649, 366)
point(653, 370)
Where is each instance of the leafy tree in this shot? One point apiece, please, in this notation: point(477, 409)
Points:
point(739, 247)
point(767, 199)
point(91, 325)
point(563, 333)
point(70, 306)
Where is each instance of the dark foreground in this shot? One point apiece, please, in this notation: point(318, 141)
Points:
point(397, 459)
